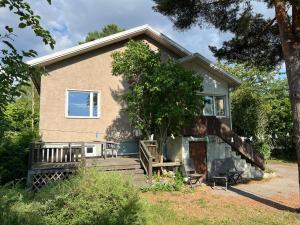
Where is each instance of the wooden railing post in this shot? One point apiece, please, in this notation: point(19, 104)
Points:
point(30, 155)
point(150, 169)
point(83, 160)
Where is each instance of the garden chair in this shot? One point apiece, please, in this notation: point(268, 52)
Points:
point(219, 174)
point(234, 175)
point(191, 174)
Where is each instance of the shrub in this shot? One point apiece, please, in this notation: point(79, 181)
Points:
point(169, 184)
point(90, 197)
point(14, 151)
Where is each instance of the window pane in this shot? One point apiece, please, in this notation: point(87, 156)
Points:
point(79, 103)
point(208, 106)
point(220, 106)
point(95, 104)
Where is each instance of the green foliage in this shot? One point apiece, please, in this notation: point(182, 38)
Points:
point(105, 31)
point(89, 198)
point(18, 114)
point(169, 185)
point(14, 71)
point(14, 155)
point(15, 137)
point(161, 96)
point(261, 109)
point(255, 37)
point(202, 202)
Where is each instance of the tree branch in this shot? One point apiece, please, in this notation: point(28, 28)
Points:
point(284, 25)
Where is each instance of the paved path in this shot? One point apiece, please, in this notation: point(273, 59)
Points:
point(281, 192)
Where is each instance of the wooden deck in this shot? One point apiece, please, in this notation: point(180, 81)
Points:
point(52, 161)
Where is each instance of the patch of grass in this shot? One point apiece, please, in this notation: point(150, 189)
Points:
point(174, 210)
point(202, 202)
point(169, 184)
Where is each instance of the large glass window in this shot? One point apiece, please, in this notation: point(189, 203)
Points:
point(82, 104)
point(214, 106)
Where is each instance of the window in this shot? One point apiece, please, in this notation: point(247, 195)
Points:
point(220, 105)
point(208, 106)
point(214, 106)
point(82, 104)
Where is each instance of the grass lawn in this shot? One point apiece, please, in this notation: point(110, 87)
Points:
point(202, 206)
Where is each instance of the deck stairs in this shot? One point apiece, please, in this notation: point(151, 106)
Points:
point(123, 164)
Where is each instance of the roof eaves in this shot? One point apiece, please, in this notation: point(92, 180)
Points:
point(60, 55)
point(212, 65)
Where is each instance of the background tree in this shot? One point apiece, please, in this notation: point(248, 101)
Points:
point(105, 31)
point(261, 109)
point(15, 111)
point(14, 72)
point(161, 96)
point(16, 134)
point(256, 40)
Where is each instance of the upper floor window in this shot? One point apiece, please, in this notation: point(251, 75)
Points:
point(220, 106)
point(82, 104)
point(214, 106)
point(208, 106)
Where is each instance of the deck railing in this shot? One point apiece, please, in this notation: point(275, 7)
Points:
point(43, 153)
point(148, 154)
point(210, 125)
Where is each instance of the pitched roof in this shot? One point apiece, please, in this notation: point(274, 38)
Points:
point(92, 45)
point(232, 80)
point(124, 35)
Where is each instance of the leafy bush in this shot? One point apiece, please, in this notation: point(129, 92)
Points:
point(14, 151)
point(173, 184)
point(90, 197)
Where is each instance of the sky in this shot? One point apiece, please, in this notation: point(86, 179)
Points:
point(70, 20)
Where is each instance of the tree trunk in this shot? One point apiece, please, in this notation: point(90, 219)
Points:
point(293, 74)
point(290, 36)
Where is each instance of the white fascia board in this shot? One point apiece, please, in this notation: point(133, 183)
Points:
point(89, 46)
point(200, 57)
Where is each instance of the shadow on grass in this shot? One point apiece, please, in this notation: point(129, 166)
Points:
point(265, 201)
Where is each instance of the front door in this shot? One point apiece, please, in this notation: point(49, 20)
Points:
point(198, 154)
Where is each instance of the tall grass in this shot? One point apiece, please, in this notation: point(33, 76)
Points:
point(88, 198)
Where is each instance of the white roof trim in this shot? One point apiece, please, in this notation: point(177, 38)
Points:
point(86, 47)
point(200, 57)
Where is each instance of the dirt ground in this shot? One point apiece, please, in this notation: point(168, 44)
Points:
point(278, 193)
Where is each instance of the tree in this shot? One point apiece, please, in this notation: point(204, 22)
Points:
point(105, 31)
point(14, 71)
point(256, 40)
point(15, 136)
point(261, 109)
point(161, 96)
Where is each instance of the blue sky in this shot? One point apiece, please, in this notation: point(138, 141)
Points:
point(70, 20)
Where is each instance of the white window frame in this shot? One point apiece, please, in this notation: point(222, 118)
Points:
point(91, 104)
point(214, 104)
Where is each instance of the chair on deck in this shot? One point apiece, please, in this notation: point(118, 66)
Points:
point(110, 147)
point(190, 172)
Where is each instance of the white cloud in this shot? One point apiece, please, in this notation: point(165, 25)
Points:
point(69, 21)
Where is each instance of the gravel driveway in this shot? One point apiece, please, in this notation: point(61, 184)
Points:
point(280, 192)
